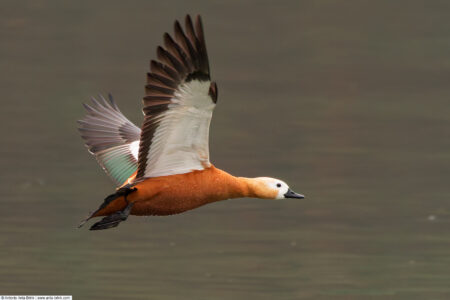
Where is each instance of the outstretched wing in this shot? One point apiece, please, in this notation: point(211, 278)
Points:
point(111, 138)
point(178, 106)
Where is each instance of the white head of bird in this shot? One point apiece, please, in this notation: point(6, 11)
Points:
point(272, 188)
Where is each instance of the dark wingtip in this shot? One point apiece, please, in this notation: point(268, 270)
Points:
point(198, 20)
point(166, 36)
point(160, 52)
point(177, 26)
point(112, 102)
point(213, 92)
point(188, 23)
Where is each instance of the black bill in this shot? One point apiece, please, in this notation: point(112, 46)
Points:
point(292, 194)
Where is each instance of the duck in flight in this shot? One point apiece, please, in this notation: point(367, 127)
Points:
point(164, 168)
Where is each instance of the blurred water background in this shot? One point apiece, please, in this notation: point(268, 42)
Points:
point(347, 101)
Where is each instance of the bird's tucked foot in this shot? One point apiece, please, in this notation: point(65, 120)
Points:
point(114, 219)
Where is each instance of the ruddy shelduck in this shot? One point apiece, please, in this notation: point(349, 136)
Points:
point(164, 168)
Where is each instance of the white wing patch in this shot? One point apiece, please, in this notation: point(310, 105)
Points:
point(134, 149)
point(180, 142)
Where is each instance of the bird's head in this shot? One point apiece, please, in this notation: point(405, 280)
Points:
point(272, 188)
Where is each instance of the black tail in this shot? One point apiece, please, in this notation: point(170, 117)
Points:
point(123, 191)
point(114, 219)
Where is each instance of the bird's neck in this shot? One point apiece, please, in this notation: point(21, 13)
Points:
point(227, 186)
point(255, 188)
point(241, 187)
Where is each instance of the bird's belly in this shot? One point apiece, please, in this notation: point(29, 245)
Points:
point(163, 205)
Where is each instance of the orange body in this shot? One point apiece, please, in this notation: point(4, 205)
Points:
point(174, 194)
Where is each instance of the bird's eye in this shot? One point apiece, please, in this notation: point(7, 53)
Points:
point(278, 184)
